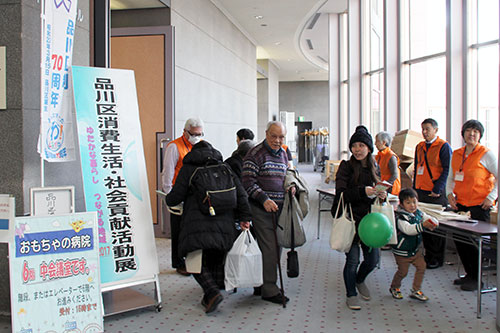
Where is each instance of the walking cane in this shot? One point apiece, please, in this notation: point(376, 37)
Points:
point(278, 259)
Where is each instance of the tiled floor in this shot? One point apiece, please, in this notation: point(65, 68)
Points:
point(317, 297)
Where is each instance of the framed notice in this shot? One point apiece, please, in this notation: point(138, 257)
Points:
point(46, 201)
point(54, 274)
point(7, 215)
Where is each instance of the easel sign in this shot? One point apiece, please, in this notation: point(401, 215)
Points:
point(47, 201)
point(7, 216)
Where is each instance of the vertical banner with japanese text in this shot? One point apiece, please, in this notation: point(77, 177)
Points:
point(114, 171)
point(54, 274)
point(56, 102)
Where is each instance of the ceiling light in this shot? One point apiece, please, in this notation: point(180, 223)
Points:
point(277, 43)
point(259, 17)
point(263, 25)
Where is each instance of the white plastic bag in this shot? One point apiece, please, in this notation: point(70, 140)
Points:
point(386, 208)
point(343, 229)
point(243, 267)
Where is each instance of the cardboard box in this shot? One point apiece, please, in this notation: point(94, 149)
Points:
point(404, 143)
point(493, 216)
point(331, 167)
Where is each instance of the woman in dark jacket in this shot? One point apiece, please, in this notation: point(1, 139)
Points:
point(356, 179)
point(236, 159)
point(212, 234)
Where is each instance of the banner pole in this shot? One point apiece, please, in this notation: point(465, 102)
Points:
point(42, 24)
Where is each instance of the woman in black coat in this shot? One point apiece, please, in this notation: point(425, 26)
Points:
point(212, 234)
point(356, 180)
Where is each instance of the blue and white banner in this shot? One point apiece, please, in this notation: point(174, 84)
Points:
point(57, 142)
point(114, 171)
point(7, 216)
point(54, 274)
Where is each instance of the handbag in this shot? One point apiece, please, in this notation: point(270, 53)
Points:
point(343, 229)
point(385, 208)
point(292, 258)
point(289, 224)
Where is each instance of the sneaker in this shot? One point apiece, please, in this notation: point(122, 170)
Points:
point(363, 291)
point(418, 294)
point(396, 293)
point(353, 303)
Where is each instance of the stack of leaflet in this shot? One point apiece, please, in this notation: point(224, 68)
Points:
point(437, 211)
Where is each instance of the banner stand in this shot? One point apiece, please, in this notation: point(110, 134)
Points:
point(122, 298)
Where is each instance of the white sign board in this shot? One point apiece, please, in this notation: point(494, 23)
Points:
point(3, 79)
point(7, 216)
point(46, 201)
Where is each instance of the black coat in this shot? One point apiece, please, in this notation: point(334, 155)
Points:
point(236, 164)
point(200, 231)
point(354, 193)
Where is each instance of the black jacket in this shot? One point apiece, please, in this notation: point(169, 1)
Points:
point(354, 193)
point(200, 231)
point(236, 164)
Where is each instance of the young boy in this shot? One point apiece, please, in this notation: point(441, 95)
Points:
point(410, 225)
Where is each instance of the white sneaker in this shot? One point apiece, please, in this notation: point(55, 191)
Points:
point(363, 291)
point(353, 303)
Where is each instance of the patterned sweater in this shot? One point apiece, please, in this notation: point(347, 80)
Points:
point(264, 174)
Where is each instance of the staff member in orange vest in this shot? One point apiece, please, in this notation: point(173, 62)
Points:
point(432, 163)
point(471, 187)
point(172, 163)
point(388, 162)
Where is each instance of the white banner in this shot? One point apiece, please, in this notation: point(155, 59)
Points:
point(57, 142)
point(114, 172)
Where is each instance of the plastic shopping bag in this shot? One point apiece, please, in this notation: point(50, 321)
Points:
point(243, 267)
point(386, 208)
point(343, 229)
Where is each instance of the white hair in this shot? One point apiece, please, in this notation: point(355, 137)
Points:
point(384, 137)
point(276, 123)
point(193, 122)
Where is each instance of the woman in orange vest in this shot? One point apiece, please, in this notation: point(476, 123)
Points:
point(388, 162)
point(471, 187)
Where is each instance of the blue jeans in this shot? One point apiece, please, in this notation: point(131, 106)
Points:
point(352, 274)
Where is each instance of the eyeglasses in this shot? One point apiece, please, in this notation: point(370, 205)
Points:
point(196, 134)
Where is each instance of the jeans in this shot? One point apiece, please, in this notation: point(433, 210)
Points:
point(352, 274)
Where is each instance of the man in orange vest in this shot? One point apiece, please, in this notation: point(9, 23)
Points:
point(432, 163)
point(172, 163)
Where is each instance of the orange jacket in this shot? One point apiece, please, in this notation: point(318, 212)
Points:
point(184, 147)
point(383, 158)
point(477, 182)
point(424, 181)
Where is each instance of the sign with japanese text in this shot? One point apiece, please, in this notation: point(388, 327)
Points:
point(56, 102)
point(7, 216)
point(114, 171)
point(54, 274)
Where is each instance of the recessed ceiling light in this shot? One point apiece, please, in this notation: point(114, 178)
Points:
point(259, 17)
point(277, 43)
point(288, 59)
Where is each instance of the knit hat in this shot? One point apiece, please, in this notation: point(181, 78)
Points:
point(474, 124)
point(361, 135)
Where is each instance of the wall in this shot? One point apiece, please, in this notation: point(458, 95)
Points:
point(215, 73)
point(306, 98)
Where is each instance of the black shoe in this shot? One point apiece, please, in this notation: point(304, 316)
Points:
point(182, 271)
point(434, 264)
point(212, 303)
point(470, 285)
point(461, 281)
point(257, 291)
point(278, 299)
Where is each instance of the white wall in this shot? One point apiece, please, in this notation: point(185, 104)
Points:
point(215, 73)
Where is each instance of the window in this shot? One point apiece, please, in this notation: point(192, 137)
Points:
point(483, 58)
point(373, 65)
point(344, 82)
point(424, 62)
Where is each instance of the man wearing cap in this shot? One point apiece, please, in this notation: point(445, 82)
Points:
point(172, 163)
point(432, 163)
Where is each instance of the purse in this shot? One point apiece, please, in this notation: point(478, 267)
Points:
point(292, 258)
point(343, 229)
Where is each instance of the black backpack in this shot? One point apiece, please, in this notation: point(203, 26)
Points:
point(214, 188)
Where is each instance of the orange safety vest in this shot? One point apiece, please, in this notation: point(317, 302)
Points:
point(383, 158)
point(424, 181)
point(184, 147)
point(478, 181)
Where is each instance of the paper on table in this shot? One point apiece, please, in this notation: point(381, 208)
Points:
point(193, 262)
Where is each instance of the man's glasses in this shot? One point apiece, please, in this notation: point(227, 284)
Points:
point(196, 134)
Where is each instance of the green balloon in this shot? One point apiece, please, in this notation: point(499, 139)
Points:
point(375, 230)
